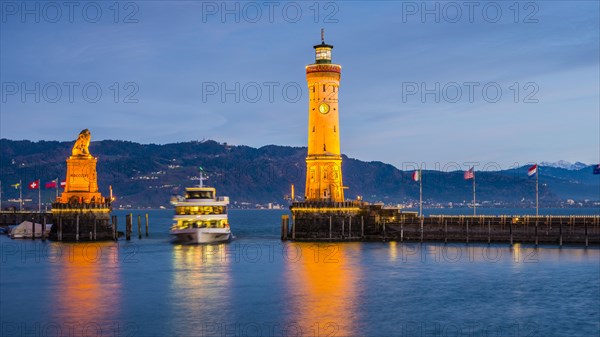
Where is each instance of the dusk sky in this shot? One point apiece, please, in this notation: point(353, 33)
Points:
point(171, 60)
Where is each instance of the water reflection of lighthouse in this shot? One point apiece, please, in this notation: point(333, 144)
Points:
point(324, 284)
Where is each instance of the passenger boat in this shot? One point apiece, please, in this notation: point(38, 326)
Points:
point(200, 216)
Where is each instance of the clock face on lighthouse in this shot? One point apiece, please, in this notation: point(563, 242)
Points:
point(324, 108)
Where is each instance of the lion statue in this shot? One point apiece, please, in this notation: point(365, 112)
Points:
point(82, 144)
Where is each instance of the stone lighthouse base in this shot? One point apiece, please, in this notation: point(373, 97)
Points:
point(81, 222)
point(339, 221)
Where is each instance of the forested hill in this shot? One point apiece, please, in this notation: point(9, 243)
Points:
point(148, 174)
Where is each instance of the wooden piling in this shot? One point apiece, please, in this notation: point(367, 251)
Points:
point(536, 231)
point(293, 227)
point(330, 227)
point(284, 227)
point(95, 232)
point(586, 233)
point(33, 229)
point(571, 223)
point(114, 227)
point(421, 229)
point(468, 230)
point(343, 224)
point(287, 227)
point(560, 233)
point(402, 230)
point(350, 227)
point(44, 229)
point(147, 232)
point(128, 227)
point(511, 232)
point(445, 231)
point(362, 226)
point(489, 232)
point(139, 227)
point(383, 229)
point(77, 227)
point(60, 228)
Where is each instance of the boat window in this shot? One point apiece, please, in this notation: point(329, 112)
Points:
point(201, 224)
point(200, 210)
point(199, 195)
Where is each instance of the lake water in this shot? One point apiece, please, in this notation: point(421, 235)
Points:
point(259, 286)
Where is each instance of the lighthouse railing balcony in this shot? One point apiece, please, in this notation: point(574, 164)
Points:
point(104, 204)
point(318, 204)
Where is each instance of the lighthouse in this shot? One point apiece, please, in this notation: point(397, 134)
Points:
point(324, 160)
point(324, 214)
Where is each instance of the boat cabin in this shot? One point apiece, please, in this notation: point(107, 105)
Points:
point(201, 193)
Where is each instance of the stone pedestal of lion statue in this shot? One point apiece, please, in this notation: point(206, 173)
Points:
point(81, 213)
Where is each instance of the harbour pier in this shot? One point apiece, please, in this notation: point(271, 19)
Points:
point(360, 221)
point(9, 218)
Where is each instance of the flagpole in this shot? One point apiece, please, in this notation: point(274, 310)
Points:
point(420, 193)
point(0, 195)
point(474, 201)
point(40, 197)
point(20, 196)
point(56, 186)
point(537, 191)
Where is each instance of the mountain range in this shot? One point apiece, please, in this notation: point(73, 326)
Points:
point(565, 165)
point(147, 175)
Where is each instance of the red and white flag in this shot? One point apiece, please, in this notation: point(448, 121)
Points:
point(63, 183)
point(470, 174)
point(416, 176)
point(532, 170)
point(51, 184)
point(34, 185)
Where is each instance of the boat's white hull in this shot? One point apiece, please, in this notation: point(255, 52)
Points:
point(27, 235)
point(201, 235)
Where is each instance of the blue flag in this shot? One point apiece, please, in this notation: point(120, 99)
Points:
point(597, 169)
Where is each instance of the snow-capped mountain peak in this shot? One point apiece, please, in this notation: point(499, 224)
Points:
point(565, 165)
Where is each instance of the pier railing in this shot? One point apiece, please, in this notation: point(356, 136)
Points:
point(8, 218)
point(570, 229)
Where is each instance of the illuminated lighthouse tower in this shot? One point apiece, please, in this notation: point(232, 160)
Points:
point(324, 160)
point(325, 214)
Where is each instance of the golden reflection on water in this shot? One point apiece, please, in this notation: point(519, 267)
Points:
point(393, 251)
point(200, 286)
point(87, 285)
point(524, 254)
point(323, 285)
